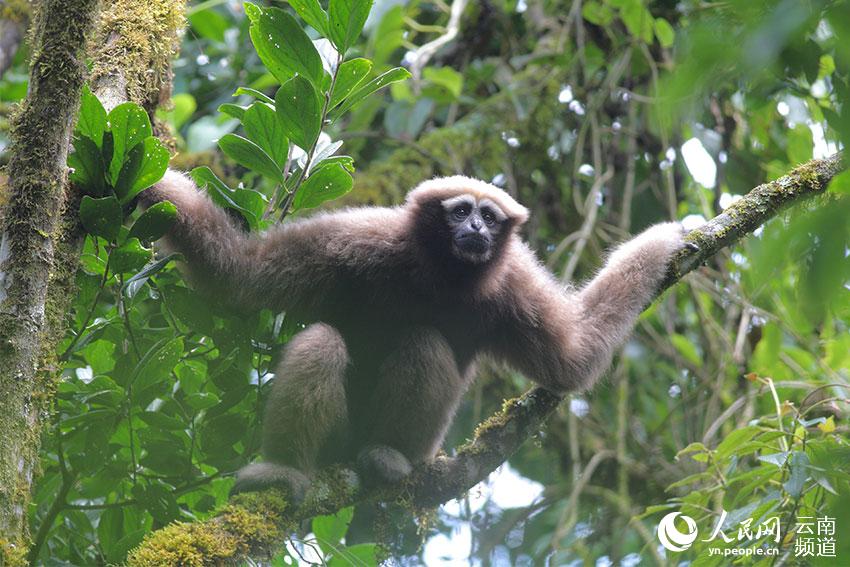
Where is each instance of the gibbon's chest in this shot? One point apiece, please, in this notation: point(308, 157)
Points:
point(373, 315)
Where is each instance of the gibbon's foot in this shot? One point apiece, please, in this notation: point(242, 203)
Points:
point(382, 464)
point(259, 476)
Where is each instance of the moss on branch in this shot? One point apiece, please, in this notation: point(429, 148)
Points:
point(133, 50)
point(495, 440)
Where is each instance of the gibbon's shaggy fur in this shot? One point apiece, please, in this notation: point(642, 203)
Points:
point(400, 302)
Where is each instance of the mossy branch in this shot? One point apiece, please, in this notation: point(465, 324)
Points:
point(265, 518)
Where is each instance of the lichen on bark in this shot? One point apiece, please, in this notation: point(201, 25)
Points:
point(132, 52)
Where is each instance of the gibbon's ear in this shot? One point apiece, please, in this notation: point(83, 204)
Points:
point(442, 188)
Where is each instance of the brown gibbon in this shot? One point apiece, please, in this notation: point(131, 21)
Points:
point(399, 303)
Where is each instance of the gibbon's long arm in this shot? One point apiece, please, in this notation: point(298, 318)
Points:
point(564, 339)
point(290, 267)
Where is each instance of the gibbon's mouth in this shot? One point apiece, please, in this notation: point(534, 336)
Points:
point(474, 243)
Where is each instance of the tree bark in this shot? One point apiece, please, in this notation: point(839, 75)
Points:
point(40, 134)
point(42, 238)
point(124, 69)
point(255, 524)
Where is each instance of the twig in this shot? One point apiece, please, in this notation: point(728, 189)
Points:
point(420, 57)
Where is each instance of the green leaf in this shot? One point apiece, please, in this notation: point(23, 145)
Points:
point(248, 154)
point(331, 529)
point(596, 13)
point(638, 20)
point(686, 348)
point(347, 162)
point(190, 308)
point(841, 183)
point(323, 153)
point(135, 283)
point(202, 400)
point(690, 479)
point(155, 496)
point(145, 165)
point(446, 78)
point(253, 12)
point(154, 222)
point(664, 32)
point(233, 110)
point(110, 527)
point(826, 65)
point(250, 204)
point(92, 120)
point(159, 420)
point(106, 152)
point(284, 48)
point(736, 439)
point(157, 363)
point(129, 124)
point(129, 257)
point(184, 106)
point(392, 76)
point(89, 167)
point(362, 554)
point(800, 145)
point(326, 183)
point(299, 111)
point(312, 13)
point(209, 24)
point(101, 217)
point(799, 474)
point(262, 126)
point(692, 448)
point(254, 93)
point(345, 21)
point(349, 76)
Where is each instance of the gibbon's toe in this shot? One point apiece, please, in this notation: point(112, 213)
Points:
point(260, 476)
point(380, 464)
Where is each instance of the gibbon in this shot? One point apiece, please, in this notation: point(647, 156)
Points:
point(400, 303)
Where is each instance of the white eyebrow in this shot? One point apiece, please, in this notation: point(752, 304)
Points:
point(497, 211)
point(453, 202)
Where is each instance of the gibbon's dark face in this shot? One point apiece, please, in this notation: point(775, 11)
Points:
point(475, 225)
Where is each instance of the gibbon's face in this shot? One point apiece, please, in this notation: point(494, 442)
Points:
point(475, 225)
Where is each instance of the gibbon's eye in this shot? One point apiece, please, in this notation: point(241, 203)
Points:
point(488, 216)
point(461, 211)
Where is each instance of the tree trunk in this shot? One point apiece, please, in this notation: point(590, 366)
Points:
point(42, 238)
point(41, 134)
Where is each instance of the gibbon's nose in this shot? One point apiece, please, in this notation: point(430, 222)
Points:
point(475, 223)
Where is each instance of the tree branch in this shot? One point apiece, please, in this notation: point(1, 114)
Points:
point(495, 440)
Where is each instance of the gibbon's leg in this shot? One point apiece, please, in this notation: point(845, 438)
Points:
point(417, 395)
point(306, 407)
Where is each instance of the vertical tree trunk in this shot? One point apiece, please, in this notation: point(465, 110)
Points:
point(41, 233)
point(41, 134)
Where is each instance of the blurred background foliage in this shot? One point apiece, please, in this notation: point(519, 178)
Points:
point(602, 116)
